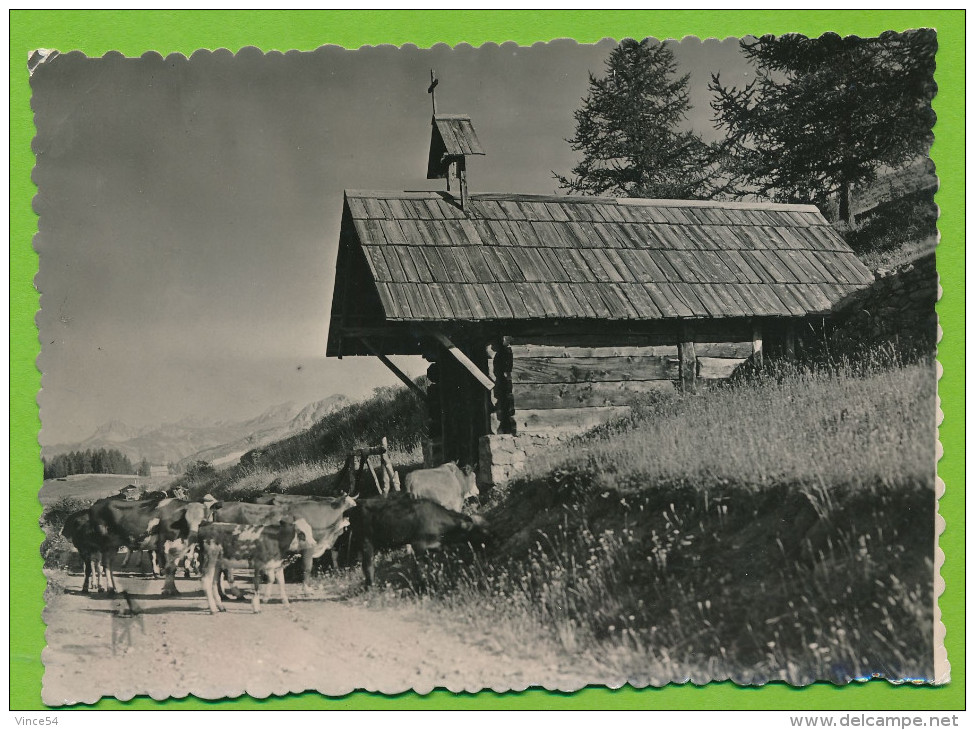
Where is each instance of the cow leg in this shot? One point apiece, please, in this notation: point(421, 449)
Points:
point(232, 589)
point(98, 566)
point(256, 600)
point(169, 582)
point(279, 577)
point(306, 564)
point(368, 570)
point(87, 561)
point(210, 576)
point(167, 563)
point(418, 565)
point(109, 573)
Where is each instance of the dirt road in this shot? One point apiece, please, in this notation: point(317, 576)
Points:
point(332, 641)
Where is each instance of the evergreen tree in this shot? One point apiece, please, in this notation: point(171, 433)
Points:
point(824, 114)
point(145, 469)
point(628, 131)
point(90, 461)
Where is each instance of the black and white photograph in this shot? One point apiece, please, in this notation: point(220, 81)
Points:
point(562, 365)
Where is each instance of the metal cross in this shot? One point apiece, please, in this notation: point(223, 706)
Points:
point(431, 90)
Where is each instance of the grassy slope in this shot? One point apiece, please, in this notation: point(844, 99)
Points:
point(779, 529)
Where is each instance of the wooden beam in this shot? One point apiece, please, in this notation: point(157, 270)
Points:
point(395, 370)
point(375, 479)
point(554, 396)
point(465, 361)
point(592, 369)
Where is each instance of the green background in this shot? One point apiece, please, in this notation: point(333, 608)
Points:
point(134, 32)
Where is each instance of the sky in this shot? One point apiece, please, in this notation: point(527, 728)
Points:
point(189, 209)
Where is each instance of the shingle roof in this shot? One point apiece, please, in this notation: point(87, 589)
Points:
point(534, 257)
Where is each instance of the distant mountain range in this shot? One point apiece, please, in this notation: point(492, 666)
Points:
point(193, 439)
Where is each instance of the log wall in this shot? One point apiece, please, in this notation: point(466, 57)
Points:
point(548, 385)
point(548, 388)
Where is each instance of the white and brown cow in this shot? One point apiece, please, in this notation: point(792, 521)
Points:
point(326, 517)
point(262, 548)
point(448, 485)
point(167, 526)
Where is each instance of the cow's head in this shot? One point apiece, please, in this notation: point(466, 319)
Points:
point(343, 503)
point(194, 515)
point(475, 529)
point(304, 539)
point(209, 503)
point(470, 484)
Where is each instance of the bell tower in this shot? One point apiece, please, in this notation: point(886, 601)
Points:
point(452, 140)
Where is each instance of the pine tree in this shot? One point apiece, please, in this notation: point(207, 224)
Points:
point(825, 114)
point(628, 131)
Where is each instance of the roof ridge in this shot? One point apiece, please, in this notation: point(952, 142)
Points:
point(594, 200)
point(357, 193)
point(727, 204)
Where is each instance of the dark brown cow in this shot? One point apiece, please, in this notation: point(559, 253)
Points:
point(262, 548)
point(77, 528)
point(448, 485)
point(279, 499)
point(325, 517)
point(166, 526)
point(399, 519)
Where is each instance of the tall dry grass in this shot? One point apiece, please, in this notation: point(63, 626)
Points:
point(825, 424)
point(776, 529)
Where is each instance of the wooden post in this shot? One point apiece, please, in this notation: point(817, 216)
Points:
point(757, 354)
point(687, 361)
point(494, 423)
point(789, 341)
point(462, 174)
point(363, 460)
point(350, 467)
point(379, 487)
point(383, 459)
point(390, 479)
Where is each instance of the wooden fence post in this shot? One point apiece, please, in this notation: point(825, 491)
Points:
point(390, 478)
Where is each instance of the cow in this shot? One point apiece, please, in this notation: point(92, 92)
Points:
point(278, 498)
point(326, 517)
point(262, 548)
point(177, 492)
point(448, 485)
point(78, 529)
point(166, 526)
point(399, 519)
